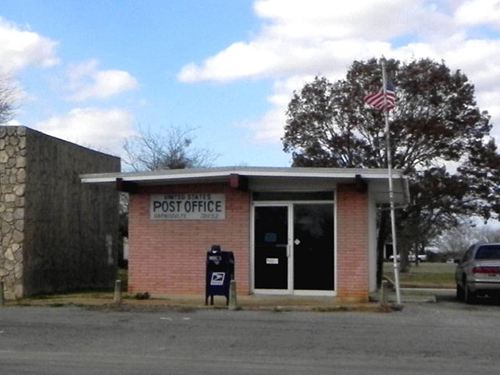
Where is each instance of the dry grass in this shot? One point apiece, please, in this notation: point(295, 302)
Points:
point(425, 275)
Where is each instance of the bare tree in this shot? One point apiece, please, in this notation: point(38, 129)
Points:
point(489, 234)
point(455, 241)
point(7, 99)
point(167, 149)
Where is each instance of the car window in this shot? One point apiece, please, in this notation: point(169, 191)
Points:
point(488, 252)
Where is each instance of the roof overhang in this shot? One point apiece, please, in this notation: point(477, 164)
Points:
point(254, 178)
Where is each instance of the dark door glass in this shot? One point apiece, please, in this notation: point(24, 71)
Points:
point(271, 240)
point(313, 247)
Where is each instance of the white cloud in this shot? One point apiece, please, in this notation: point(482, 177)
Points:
point(101, 129)
point(478, 59)
point(311, 36)
point(269, 127)
point(20, 48)
point(479, 12)
point(327, 19)
point(86, 81)
point(299, 39)
point(13, 122)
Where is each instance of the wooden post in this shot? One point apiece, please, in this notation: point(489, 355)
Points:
point(233, 305)
point(118, 291)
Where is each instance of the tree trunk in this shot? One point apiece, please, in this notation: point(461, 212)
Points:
point(382, 236)
point(404, 263)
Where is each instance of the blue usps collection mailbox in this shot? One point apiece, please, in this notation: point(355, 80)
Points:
point(220, 272)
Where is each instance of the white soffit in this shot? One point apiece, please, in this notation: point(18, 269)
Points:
point(221, 173)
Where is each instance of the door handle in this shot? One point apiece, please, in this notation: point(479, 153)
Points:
point(287, 246)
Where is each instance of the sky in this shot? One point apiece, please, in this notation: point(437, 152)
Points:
point(99, 72)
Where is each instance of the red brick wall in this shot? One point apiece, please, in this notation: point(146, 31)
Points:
point(168, 257)
point(352, 244)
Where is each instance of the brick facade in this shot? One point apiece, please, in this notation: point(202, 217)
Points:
point(352, 244)
point(168, 257)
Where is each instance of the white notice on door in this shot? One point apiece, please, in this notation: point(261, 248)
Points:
point(272, 260)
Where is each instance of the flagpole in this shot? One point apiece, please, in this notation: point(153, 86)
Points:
point(391, 189)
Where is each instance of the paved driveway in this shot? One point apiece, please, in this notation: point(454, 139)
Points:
point(435, 338)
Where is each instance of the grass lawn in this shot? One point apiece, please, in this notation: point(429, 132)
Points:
point(425, 275)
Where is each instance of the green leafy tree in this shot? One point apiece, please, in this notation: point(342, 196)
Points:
point(436, 122)
point(436, 118)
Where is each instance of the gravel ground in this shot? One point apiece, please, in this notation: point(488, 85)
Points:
point(429, 338)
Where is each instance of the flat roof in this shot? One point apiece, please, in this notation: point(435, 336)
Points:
point(223, 172)
point(268, 178)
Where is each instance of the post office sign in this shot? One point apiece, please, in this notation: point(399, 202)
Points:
point(188, 206)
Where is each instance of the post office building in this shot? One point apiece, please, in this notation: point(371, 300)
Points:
point(293, 231)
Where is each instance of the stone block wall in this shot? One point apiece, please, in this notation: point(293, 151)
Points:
point(57, 234)
point(12, 201)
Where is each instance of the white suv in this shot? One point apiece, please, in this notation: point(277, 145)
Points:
point(478, 272)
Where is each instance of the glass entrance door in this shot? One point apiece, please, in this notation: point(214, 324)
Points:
point(313, 247)
point(294, 247)
point(271, 247)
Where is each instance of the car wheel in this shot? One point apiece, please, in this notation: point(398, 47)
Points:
point(460, 293)
point(469, 296)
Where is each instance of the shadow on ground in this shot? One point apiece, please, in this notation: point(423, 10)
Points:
point(481, 300)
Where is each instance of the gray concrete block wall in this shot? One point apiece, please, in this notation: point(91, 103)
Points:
point(69, 236)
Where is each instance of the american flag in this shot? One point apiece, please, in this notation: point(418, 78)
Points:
point(376, 100)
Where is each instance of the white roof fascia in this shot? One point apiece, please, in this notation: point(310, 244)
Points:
point(86, 179)
point(292, 172)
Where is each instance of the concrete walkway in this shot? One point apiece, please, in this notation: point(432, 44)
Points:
point(251, 302)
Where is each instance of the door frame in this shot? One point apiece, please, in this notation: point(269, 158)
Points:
point(290, 250)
